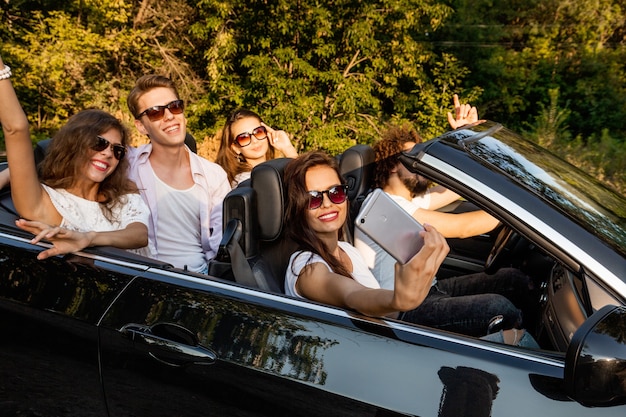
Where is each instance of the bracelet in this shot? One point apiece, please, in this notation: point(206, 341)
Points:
point(5, 72)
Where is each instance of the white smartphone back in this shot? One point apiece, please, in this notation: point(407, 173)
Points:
point(390, 226)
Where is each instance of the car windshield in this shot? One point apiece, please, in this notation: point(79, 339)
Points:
point(582, 197)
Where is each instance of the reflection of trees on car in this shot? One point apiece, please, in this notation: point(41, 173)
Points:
point(237, 332)
point(467, 392)
point(63, 285)
point(552, 178)
point(613, 327)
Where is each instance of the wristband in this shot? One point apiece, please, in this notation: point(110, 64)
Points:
point(5, 72)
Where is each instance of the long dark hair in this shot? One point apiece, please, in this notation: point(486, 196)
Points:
point(70, 150)
point(232, 163)
point(298, 205)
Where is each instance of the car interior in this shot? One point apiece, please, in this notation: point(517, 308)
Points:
point(255, 251)
point(253, 217)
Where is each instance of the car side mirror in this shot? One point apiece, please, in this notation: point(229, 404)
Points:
point(595, 362)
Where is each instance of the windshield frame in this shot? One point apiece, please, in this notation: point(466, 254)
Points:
point(597, 208)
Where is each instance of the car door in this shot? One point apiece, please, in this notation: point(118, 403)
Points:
point(176, 344)
point(49, 311)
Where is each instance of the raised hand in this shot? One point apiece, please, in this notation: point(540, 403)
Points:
point(414, 279)
point(464, 114)
point(281, 141)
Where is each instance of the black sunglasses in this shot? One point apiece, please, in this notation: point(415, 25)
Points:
point(245, 138)
point(101, 144)
point(337, 194)
point(156, 113)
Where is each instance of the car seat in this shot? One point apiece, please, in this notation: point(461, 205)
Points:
point(253, 221)
point(41, 149)
point(6, 200)
point(356, 165)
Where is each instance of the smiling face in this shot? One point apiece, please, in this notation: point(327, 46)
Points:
point(256, 151)
point(102, 163)
point(168, 131)
point(329, 217)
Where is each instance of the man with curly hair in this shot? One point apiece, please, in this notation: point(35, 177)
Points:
point(418, 196)
point(458, 303)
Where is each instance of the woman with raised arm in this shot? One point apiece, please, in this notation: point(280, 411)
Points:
point(82, 196)
point(246, 142)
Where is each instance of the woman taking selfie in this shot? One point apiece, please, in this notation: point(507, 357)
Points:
point(331, 271)
point(328, 270)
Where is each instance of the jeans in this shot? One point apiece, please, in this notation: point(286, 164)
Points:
point(466, 304)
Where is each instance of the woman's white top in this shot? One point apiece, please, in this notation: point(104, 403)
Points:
point(85, 215)
point(300, 259)
point(241, 177)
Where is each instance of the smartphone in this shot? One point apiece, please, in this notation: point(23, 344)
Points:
point(390, 226)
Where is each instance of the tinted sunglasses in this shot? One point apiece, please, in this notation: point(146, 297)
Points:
point(337, 194)
point(156, 113)
point(101, 144)
point(245, 138)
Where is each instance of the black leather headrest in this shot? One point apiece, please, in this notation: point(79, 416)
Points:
point(190, 141)
point(267, 182)
point(357, 167)
point(40, 150)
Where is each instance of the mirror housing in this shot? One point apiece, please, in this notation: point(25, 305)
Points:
point(595, 362)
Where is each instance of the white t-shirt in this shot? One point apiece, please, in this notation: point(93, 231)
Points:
point(178, 224)
point(241, 177)
point(84, 215)
point(300, 259)
point(377, 260)
point(410, 206)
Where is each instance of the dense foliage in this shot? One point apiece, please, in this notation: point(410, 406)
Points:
point(334, 73)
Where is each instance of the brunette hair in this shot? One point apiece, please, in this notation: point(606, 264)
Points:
point(232, 163)
point(298, 205)
point(388, 150)
point(145, 84)
point(70, 150)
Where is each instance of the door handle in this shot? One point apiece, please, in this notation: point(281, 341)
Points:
point(169, 343)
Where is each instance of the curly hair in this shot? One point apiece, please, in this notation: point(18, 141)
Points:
point(298, 205)
point(388, 149)
point(232, 163)
point(70, 150)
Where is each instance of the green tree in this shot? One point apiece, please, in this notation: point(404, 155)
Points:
point(522, 52)
point(518, 51)
point(331, 73)
point(85, 53)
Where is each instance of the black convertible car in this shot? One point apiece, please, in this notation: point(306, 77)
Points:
point(107, 333)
